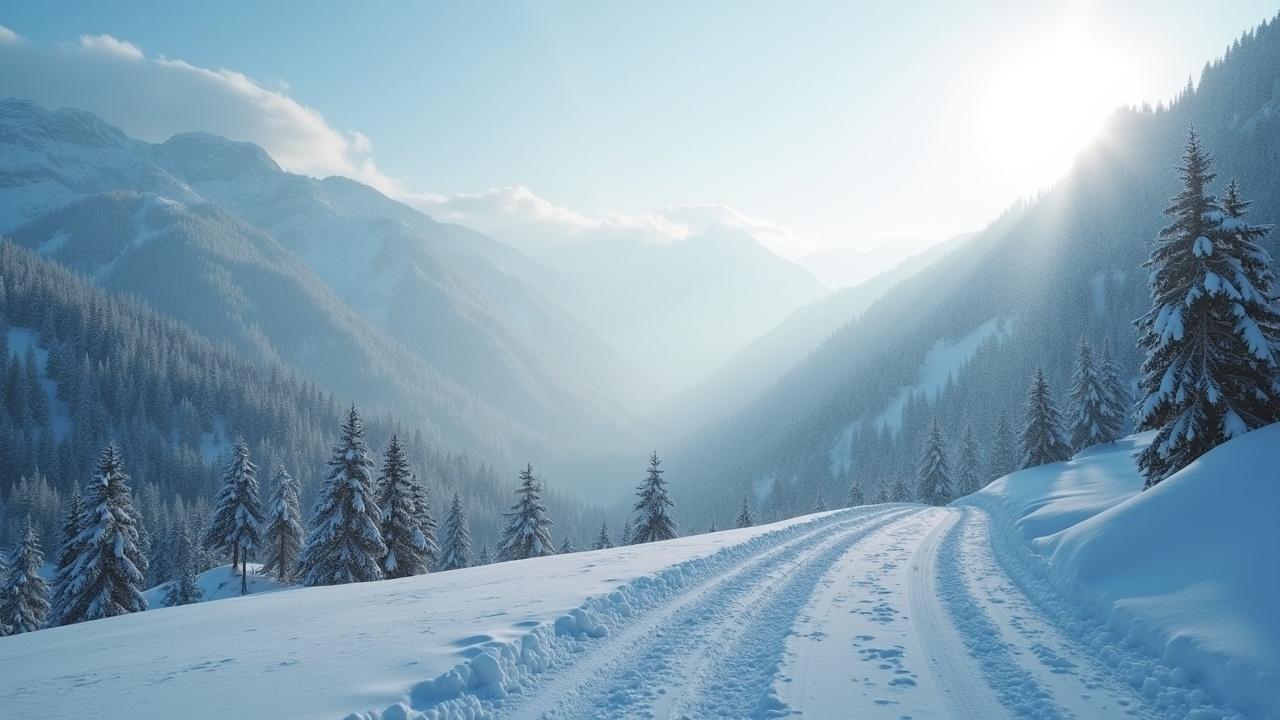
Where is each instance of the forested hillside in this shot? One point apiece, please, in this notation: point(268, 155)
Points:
point(960, 341)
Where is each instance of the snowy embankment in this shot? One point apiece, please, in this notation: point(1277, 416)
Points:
point(439, 644)
point(219, 583)
point(1186, 570)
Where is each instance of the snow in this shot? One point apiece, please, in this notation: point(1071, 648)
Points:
point(21, 338)
point(1180, 571)
point(219, 583)
point(214, 443)
point(945, 359)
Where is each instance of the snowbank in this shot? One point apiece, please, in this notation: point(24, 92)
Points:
point(329, 651)
point(219, 583)
point(1187, 570)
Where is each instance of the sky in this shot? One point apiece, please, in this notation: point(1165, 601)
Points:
point(862, 127)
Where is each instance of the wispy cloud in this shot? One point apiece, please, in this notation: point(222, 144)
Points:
point(110, 45)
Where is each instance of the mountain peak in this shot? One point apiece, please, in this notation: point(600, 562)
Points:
point(200, 156)
point(27, 123)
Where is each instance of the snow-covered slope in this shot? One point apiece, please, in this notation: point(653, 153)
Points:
point(1186, 570)
point(219, 583)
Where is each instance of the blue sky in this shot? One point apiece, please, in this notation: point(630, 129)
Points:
point(821, 123)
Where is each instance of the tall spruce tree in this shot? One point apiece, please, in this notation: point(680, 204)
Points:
point(653, 523)
point(528, 531)
point(602, 538)
point(456, 551)
point(282, 539)
point(746, 518)
point(566, 546)
point(855, 496)
point(483, 558)
point(935, 476)
point(625, 537)
point(1212, 336)
point(343, 543)
point(901, 490)
point(184, 588)
point(24, 601)
point(1042, 434)
point(1002, 458)
point(1116, 394)
point(399, 501)
point(425, 522)
point(1089, 413)
point(68, 552)
point(819, 505)
point(968, 471)
point(106, 578)
point(236, 525)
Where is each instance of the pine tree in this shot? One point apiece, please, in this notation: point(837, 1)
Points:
point(1212, 336)
point(1115, 395)
point(652, 521)
point(527, 534)
point(935, 476)
point(968, 467)
point(68, 552)
point(109, 568)
point(236, 525)
point(425, 522)
point(712, 527)
point(400, 526)
point(24, 595)
point(566, 547)
point(1002, 459)
point(1042, 435)
point(1089, 411)
point(343, 543)
point(746, 518)
point(819, 505)
point(456, 553)
point(184, 588)
point(855, 496)
point(4, 581)
point(901, 491)
point(602, 538)
point(625, 537)
point(282, 540)
point(483, 558)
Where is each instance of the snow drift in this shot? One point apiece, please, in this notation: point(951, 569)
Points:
point(1186, 570)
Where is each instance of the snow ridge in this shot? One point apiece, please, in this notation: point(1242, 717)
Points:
point(476, 687)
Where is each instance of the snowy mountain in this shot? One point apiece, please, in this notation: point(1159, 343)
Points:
point(960, 340)
point(680, 310)
point(1056, 592)
point(464, 306)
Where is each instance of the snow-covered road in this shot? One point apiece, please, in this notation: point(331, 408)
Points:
point(885, 612)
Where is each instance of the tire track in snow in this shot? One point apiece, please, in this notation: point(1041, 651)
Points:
point(646, 669)
point(1016, 687)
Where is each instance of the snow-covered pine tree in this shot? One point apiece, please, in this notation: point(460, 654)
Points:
point(528, 531)
point(745, 518)
point(1002, 458)
point(602, 538)
point(625, 537)
point(343, 543)
point(1089, 412)
point(399, 521)
point(935, 476)
point(968, 467)
point(1212, 336)
point(901, 490)
point(1042, 435)
point(109, 568)
point(1116, 396)
point(184, 588)
point(566, 547)
point(68, 553)
point(24, 602)
point(712, 527)
point(855, 497)
point(456, 552)
point(483, 558)
point(653, 523)
point(282, 539)
point(4, 579)
point(236, 525)
point(819, 505)
point(425, 522)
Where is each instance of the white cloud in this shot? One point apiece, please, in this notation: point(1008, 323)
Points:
point(515, 214)
point(111, 46)
point(153, 98)
point(9, 37)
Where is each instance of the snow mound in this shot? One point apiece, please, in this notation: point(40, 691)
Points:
point(220, 583)
point(1185, 570)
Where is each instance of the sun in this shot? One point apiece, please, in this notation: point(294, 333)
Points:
point(1044, 102)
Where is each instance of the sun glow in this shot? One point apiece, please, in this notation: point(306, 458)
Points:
point(1045, 100)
